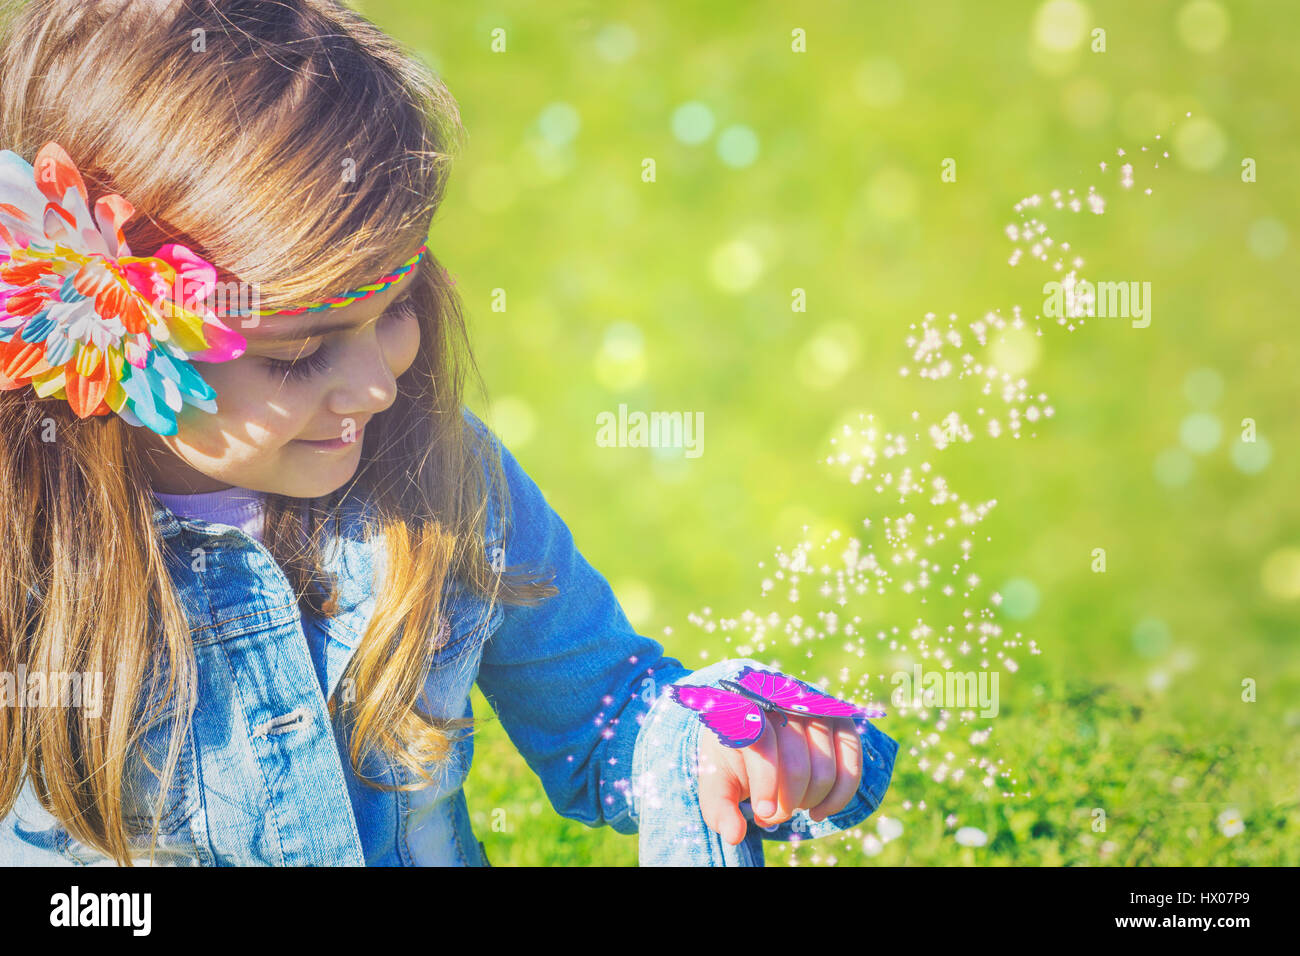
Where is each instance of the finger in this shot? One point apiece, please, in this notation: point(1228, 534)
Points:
point(824, 766)
point(796, 768)
point(762, 766)
point(848, 775)
point(722, 787)
point(792, 771)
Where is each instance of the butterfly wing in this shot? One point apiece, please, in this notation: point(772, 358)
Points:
point(737, 722)
point(796, 697)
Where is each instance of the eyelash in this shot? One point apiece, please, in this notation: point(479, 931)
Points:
point(299, 368)
point(317, 362)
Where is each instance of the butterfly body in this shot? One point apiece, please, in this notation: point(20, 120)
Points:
point(767, 706)
point(735, 710)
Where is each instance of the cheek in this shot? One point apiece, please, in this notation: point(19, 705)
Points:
point(256, 412)
point(401, 343)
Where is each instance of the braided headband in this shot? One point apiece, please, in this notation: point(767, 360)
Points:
point(347, 298)
point(82, 319)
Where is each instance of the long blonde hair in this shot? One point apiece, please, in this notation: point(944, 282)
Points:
point(229, 125)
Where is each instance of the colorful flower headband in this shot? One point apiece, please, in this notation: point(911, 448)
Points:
point(82, 319)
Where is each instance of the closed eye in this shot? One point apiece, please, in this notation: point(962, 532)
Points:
point(299, 368)
point(318, 361)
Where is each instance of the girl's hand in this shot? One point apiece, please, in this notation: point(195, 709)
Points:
point(812, 763)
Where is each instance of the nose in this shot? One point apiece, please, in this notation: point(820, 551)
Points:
point(364, 382)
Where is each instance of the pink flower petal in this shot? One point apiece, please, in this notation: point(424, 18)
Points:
point(198, 276)
point(224, 343)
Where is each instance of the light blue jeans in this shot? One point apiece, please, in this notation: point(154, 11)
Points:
point(671, 829)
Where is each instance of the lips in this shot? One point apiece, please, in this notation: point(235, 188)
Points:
point(338, 438)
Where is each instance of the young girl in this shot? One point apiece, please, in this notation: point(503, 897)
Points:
point(254, 550)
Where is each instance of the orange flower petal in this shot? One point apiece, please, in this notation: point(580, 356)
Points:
point(111, 213)
point(19, 359)
point(56, 172)
point(86, 392)
point(133, 313)
point(8, 384)
point(54, 208)
point(28, 301)
point(25, 273)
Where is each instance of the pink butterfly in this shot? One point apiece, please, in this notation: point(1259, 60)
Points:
point(734, 712)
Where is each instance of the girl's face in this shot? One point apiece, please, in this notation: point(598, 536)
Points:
point(292, 410)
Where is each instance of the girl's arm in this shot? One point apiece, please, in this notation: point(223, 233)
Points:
point(570, 677)
point(584, 698)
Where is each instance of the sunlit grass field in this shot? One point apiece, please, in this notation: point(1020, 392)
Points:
point(1167, 690)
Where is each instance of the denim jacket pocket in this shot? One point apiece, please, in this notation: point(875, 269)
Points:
point(142, 786)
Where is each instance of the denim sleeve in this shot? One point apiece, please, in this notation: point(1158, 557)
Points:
point(569, 679)
point(584, 698)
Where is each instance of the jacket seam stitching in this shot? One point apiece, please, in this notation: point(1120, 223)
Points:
point(223, 624)
point(455, 830)
point(403, 810)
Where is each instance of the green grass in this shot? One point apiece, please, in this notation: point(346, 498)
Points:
point(614, 295)
point(1079, 746)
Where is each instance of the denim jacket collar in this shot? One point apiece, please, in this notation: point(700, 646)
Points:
point(224, 623)
point(353, 562)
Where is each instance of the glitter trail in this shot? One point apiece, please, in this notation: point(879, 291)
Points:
point(918, 539)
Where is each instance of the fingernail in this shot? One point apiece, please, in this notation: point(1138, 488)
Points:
point(764, 809)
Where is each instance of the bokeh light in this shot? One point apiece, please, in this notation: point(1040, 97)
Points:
point(621, 361)
point(1252, 457)
point(692, 122)
point(735, 266)
point(1200, 433)
point(1199, 143)
point(1019, 598)
point(1203, 25)
point(738, 146)
point(1203, 387)
point(1281, 574)
point(1060, 25)
point(1267, 237)
point(1174, 468)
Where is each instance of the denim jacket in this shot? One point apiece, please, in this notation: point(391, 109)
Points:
point(265, 777)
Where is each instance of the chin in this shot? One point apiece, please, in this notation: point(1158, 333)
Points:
point(317, 474)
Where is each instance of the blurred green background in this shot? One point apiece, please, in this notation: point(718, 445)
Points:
point(820, 170)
